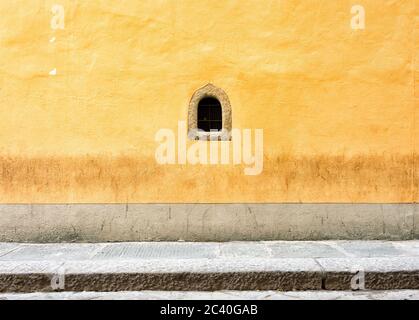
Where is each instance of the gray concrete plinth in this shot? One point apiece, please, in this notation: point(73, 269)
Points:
point(207, 222)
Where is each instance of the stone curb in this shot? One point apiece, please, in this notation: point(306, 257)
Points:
point(136, 276)
point(178, 266)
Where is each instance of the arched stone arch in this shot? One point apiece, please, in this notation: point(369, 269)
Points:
point(210, 91)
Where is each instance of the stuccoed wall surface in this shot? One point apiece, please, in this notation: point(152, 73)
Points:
point(337, 105)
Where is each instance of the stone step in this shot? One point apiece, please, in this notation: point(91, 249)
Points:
point(243, 266)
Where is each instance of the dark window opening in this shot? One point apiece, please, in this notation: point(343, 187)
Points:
point(210, 115)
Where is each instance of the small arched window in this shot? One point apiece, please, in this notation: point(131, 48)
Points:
point(209, 115)
point(210, 118)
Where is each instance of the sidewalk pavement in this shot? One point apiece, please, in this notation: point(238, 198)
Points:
point(180, 266)
point(219, 295)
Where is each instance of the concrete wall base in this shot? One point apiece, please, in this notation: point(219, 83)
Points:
point(207, 222)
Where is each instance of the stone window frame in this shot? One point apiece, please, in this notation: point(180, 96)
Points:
point(210, 91)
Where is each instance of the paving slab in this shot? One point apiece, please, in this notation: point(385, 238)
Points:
point(283, 249)
point(47, 252)
point(243, 250)
point(7, 248)
point(409, 248)
point(371, 249)
point(158, 251)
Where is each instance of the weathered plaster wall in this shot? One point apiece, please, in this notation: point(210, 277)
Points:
point(337, 106)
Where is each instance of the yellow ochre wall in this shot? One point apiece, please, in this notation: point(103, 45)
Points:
point(337, 105)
